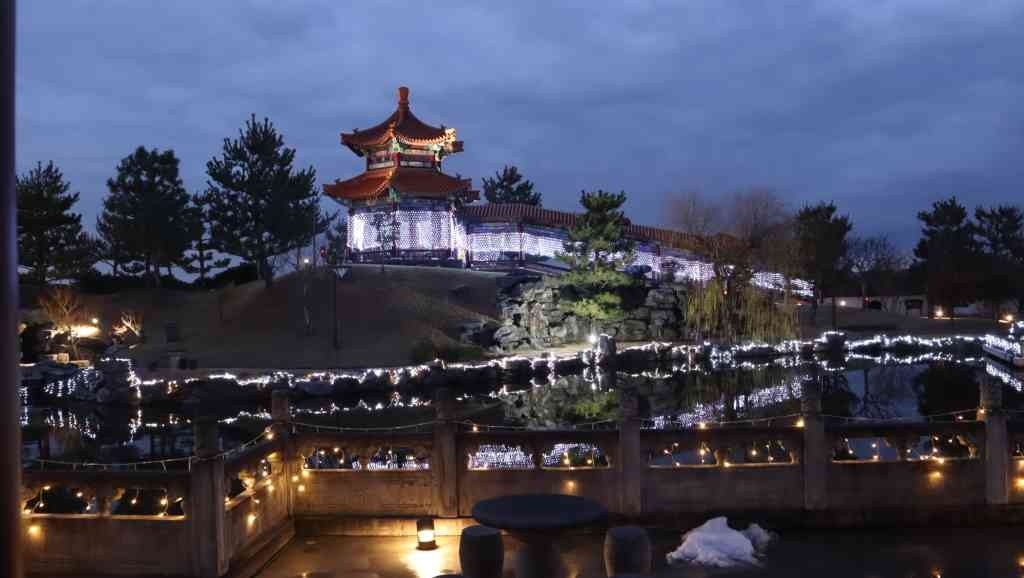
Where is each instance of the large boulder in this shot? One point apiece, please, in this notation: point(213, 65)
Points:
point(663, 317)
point(633, 330)
point(661, 296)
point(511, 338)
point(535, 313)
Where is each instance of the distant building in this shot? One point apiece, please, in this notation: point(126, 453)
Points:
point(404, 208)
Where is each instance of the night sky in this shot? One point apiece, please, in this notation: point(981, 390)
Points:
point(882, 107)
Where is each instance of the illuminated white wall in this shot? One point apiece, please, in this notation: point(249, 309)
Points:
point(425, 225)
point(419, 227)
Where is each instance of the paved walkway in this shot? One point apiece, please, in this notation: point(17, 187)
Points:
point(917, 553)
point(345, 557)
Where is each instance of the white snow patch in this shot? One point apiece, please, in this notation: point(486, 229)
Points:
point(716, 544)
point(758, 536)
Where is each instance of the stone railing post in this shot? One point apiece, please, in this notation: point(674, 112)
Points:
point(632, 464)
point(443, 463)
point(206, 503)
point(280, 410)
point(817, 453)
point(997, 449)
point(281, 416)
point(105, 494)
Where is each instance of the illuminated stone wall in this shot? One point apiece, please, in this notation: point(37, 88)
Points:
point(533, 316)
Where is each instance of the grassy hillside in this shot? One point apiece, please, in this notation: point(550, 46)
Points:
point(382, 316)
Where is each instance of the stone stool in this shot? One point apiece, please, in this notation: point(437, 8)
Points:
point(627, 550)
point(481, 552)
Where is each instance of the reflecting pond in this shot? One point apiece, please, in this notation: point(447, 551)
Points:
point(853, 387)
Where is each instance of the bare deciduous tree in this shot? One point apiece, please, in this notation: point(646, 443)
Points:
point(131, 322)
point(64, 308)
point(872, 258)
point(738, 234)
point(743, 231)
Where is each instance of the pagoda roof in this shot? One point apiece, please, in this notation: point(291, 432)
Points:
point(412, 181)
point(404, 126)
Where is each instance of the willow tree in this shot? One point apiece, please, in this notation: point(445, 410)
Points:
point(596, 251)
point(746, 312)
point(738, 235)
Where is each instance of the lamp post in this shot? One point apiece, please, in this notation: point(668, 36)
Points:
point(425, 534)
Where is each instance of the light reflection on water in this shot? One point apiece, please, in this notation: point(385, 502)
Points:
point(855, 386)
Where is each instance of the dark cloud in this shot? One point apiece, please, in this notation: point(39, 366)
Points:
point(882, 109)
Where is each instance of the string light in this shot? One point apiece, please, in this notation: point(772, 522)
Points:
point(500, 457)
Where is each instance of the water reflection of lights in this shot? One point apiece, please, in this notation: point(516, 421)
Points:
point(1004, 376)
point(703, 413)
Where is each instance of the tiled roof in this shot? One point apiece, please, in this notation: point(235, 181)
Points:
point(420, 182)
point(533, 215)
point(403, 125)
point(513, 212)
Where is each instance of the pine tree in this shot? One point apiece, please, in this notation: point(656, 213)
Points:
point(260, 206)
point(597, 250)
point(51, 242)
point(947, 252)
point(508, 186)
point(821, 239)
point(337, 241)
point(147, 221)
point(1000, 231)
point(202, 260)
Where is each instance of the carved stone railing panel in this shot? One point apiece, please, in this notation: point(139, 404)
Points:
point(305, 444)
point(519, 449)
point(575, 456)
point(368, 457)
point(102, 493)
point(937, 441)
point(726, 447)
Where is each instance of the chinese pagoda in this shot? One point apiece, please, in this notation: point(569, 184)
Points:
point(403, 206)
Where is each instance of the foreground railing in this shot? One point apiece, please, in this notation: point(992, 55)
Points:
point(217, 511)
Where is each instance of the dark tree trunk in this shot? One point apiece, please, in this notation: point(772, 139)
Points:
point(835, 315)
point(265, 273)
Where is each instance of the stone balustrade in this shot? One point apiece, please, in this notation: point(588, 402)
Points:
point(802, 482)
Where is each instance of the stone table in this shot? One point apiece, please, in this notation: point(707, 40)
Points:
point(537, 520)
